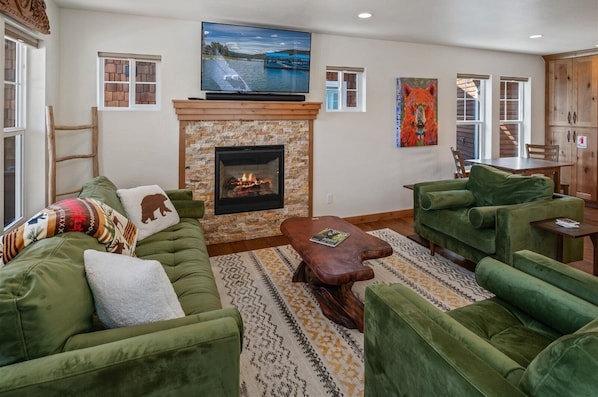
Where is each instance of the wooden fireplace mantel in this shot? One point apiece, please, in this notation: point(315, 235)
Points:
point(196, 110)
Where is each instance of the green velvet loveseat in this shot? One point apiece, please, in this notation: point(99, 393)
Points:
point(489, 214)
point(52, 344)
point(537, 337)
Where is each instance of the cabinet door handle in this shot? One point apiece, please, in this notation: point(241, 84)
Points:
point(574, 133)
point(574, 117)
point(568, 136)
point(569, 117)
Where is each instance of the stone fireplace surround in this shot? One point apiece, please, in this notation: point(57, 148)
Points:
point(204, 125)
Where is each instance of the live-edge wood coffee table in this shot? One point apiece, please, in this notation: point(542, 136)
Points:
point(331, 271)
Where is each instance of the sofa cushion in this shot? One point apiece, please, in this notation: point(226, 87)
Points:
point(103, 190)
point(446, 199)
point(491, 186)
point(506, 328)
point(565, 368)
point(455, 223)
point(130, 291)
point(44, 297)
point(182, 252)
point(149, 208)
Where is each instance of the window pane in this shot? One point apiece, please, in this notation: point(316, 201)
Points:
point(509, 140)
point(116, 95)
point(10, 106)
point(350, 80)
point(11, 157)
point(331, 76)
point(145, 71)
point(468, 137)
point(351, 99)
point(468, 99)
point(145, 94)
point(10, 61)
point(116, 70)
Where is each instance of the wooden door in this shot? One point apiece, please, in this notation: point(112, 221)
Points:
point(563, 136)
point(585, 92)
point(585, 185)
point(559, 91)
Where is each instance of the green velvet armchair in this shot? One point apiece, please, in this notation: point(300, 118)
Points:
point(537, 337)
point(489, 214)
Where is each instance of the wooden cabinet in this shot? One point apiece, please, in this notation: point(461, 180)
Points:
point(572, 119)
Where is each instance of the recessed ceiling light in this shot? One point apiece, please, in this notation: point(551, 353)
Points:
point(364, 15)
point(536, 36)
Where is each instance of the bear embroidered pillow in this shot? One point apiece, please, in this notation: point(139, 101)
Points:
point(149, 208)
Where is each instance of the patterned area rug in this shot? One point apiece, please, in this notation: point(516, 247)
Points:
point(290, 348)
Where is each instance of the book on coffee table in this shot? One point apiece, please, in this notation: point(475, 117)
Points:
point(329, 237)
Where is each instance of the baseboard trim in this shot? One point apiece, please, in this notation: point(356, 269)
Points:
point(381, 216)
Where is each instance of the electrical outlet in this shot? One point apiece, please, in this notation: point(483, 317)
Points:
point(329, 198)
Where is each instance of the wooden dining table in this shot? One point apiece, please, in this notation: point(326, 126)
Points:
point(526, 166)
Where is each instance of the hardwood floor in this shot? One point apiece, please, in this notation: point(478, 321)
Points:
point(404, 226)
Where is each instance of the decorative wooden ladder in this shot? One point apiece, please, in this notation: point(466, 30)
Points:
point(51, 129)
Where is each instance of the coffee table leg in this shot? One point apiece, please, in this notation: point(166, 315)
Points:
point(300, 274)
point(339, 304)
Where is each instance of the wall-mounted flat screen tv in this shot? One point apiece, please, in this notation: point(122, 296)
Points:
point(238, 58)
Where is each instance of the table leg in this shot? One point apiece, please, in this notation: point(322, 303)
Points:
point(339, 304)
point(559, 247)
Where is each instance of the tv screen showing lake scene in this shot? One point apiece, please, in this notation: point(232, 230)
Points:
point(250, 59)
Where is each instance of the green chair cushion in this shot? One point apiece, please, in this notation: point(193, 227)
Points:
point(446, 199)
point(509, 330)
point(491, 186)
point(565, 368)
point(455, 223)
point(44, 297)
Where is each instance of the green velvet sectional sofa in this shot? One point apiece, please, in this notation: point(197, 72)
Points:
point(537, 337)
point(50, 344)
point(489, 214)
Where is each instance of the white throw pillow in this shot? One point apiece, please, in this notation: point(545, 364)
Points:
point(129, 291)
point(149, 208)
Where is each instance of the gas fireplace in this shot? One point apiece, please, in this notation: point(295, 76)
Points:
point(248, 178)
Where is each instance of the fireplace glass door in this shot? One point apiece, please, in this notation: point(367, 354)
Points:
point(248, 178)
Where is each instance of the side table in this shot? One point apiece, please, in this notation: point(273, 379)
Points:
point(584, 229)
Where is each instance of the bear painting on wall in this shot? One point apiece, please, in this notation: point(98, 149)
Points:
point(417, 118)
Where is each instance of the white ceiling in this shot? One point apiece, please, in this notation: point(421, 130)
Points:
point(503, 25)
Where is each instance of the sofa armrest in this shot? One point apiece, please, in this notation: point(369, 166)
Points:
point(183, 202)
point(514, 232)
point(408, 353)
point(179, 194)
point(565, 277)
point(90, 339)
point(433, 186)
point(197, 359)
point(541, 300)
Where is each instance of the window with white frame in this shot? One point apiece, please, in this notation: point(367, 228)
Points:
point(345, 89)
point(128, 81)
point(512, 116)
point(14, 129)
point(471, 115)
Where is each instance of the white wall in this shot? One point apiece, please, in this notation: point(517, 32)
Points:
point(356, 159)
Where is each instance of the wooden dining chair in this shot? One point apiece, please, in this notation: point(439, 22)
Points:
point(462, 171)
point(546, 152)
